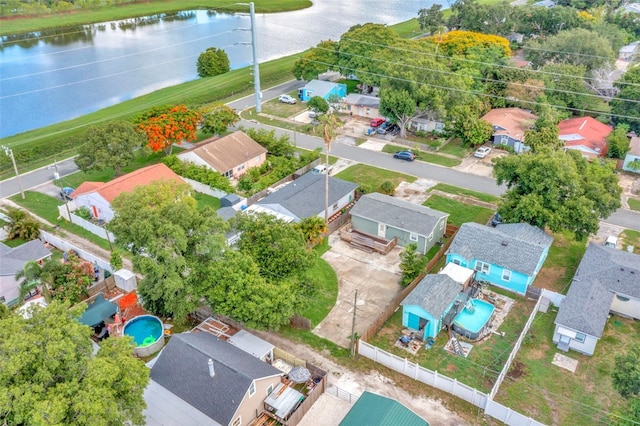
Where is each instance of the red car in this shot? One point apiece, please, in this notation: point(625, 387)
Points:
point(376, 122)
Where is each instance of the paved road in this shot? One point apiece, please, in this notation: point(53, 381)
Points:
point(622, 217)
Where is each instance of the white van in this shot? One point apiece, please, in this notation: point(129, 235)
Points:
point(320, 169)
point(611, 241)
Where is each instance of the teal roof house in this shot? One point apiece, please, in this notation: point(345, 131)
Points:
point(324, 89)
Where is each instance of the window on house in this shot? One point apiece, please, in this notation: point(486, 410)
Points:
point(482, 267)
point(506, 275)
point(430, 236)
point(413, 236)
point(504, 140)
point(241, 167)
point(368, 111)
point(228, 173)
point(456, 261)
point(439, 126)
point(269, 389)
point(348, 107)
point(335, 207)
point(441, 224)
point(580, 337)
point(237, 421)
point(252, 388)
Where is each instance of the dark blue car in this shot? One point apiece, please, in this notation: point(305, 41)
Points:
point(405, 155)
point(65, 193)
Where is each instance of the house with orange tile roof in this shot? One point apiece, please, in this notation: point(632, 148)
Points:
point(231, 155)
point(509, 127)
point(586, 135)
point(97, 196)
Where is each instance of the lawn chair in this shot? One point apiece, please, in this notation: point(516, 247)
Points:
point(430, 343)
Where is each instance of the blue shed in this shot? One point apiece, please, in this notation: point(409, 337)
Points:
point(324, 89)
point(426, 306)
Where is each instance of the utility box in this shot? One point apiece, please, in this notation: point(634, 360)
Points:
point(125, 280)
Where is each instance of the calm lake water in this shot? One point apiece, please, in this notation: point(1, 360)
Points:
point(49, 78)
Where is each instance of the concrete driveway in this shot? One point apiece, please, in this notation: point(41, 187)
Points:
point(375, 276)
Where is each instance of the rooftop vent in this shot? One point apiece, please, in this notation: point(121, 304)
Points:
point(212, 371)
point(505, 243)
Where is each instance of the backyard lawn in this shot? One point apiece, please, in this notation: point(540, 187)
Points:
point(318, 305)
point(486, 359)
point(372, 177)
point(561, 264)
point(424, 156)
point(630, 237)
point(205, 200)
point(553, 395)
point(459, 212)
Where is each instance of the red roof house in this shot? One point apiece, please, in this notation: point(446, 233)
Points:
point(585, 134)
point(97, 196)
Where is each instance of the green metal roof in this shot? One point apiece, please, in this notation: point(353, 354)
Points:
point(97, 311)
point(377, 410)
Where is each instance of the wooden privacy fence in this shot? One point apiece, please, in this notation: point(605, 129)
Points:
point(395, 302)
point(310, 399)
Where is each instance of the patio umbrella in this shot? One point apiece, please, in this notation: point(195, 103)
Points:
point(299, 374)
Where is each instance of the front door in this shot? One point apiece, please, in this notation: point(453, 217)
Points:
point(382, 229)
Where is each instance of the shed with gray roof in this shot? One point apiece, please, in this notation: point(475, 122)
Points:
point(389, 217)
point(426, 306)
point(606, 281)
point(508, 255)
point(305, 197)
point(182, 368)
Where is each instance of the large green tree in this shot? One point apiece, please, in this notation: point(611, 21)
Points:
point(170, 239)
point(316, 60)
point(216, 118)
point(618, 142)
point(626, 373)
point(626, 106)
point(318, 104)
point(556, 189)
point(212, 62)
point(49, 376)
point(111, 145)
point(564, 87)
point(399, 106)
point(431, 19)
point(278, 248)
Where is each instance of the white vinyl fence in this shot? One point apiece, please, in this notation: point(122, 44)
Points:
point(452, 386)
point(85, 224)
point(63, 245)
point(205, 189)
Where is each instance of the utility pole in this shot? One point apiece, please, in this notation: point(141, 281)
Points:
point(353, 325)
point(56, 176)
point(9, 152)
point(254, 49)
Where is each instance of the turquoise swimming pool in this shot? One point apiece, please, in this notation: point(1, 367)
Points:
point(472, 319)
point(147, 332)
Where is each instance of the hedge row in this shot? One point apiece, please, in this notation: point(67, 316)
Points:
point(200, 174)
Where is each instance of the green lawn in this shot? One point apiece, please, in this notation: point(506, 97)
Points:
point(561, 264)
point(465, 192)
point(205, 200)
point(459, 212)
point(146, 8)
point(556, 396)
point(14, 243)
point(319, 304)
point(46, 207)
point(372, 177)
point(485, 360)
point(454, 147)
point(630, 237)
point(424, 156)
point(634, 204)
point(408, 29)
point(279, 109)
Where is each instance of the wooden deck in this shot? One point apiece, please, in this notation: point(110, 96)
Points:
point(366, 242)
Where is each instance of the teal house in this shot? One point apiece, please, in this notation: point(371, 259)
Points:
point(425, 308)
point(377, 410)
point(324, 89)
point(508, 256)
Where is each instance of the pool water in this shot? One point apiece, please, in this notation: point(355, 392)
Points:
point(145, 330)
point(474, 316)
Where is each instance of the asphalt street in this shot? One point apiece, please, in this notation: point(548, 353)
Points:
point(622, 217)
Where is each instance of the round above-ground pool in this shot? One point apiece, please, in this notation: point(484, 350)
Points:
point(473, 318)
point(147, 332)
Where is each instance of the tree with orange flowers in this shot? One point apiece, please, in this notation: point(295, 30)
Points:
point(166, 125)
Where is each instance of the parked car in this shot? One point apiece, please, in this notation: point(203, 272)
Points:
point(405, 155)
point(376, 122)
point(370, 131)
point(496, 219)
point(286, 99)
point(383, 130)
point(482, 152)
point(394, 129)
point(65, 193)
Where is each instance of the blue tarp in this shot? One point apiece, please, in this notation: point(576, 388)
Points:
point(97, 311)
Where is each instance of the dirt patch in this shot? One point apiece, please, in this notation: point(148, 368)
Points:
point(549, 278)
point(517, 370)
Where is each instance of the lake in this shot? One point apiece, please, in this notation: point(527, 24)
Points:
point(49, 77)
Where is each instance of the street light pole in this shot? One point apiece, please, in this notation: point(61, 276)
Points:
point(254, 49)
point(9, 152)
point(56, 177)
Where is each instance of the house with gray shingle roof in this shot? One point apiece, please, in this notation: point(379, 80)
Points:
point(232, 395)
point(361, 105)
point(606, 281)
point(305, 197)
point(426, 306)
point(12, 260)
point(389, 217)
point(509, 255)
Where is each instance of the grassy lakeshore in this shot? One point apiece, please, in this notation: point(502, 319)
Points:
point(124, 11)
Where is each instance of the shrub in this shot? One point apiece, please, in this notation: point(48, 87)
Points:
point(387, 187)
point(200, 174)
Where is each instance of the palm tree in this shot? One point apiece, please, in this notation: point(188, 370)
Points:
point(30, 272)
point(22, 225)
point(312, 228)
point(330, 123)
